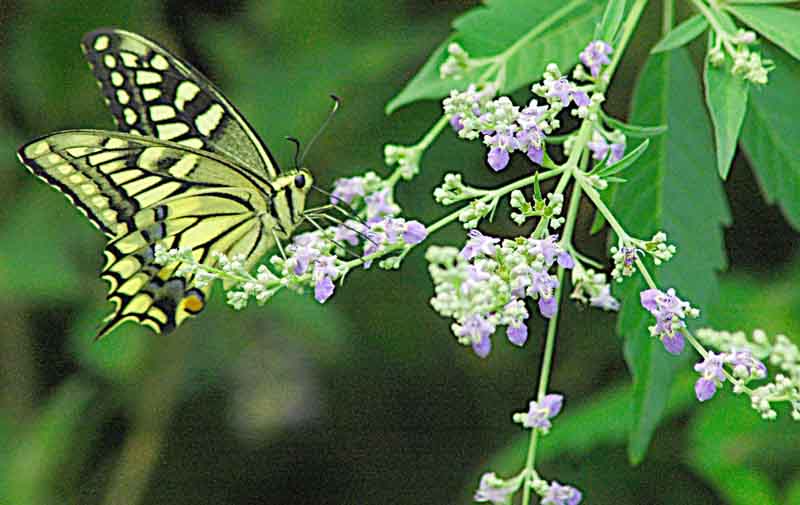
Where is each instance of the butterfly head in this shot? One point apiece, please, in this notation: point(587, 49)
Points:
point(301, 183)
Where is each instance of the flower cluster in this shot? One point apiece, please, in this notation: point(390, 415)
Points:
point(669, 311)
point(745, 368)
point(628, 251)
point(746, 356)
point(498, 491)
point(485, 285)
point(591, 287)
point(747, 64)
point(548, 208)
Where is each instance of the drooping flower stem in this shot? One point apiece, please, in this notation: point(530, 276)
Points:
point(549, 345)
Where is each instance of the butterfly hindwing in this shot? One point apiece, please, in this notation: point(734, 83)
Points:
point(152, 92)
point(142, 192)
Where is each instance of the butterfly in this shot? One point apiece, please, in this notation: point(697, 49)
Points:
point(185, 170)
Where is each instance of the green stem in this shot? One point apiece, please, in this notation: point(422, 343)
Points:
point(549, 346)
point(628, 28)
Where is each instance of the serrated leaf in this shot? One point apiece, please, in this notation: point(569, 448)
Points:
point(676, 191)
point(769, 136)
point(611, 21)
point(626, 160)
point(682, 34)
point(778, 24)
point(726, 98)
point(634, 131)
point(540, 33)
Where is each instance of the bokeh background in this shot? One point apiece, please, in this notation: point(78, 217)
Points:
point(366, 399)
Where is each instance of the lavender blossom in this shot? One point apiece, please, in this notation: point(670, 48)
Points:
point(495, 490)
point(558, 494)
point(711, 376)
point(669, 311)
point(595, 56)
point(540, 413)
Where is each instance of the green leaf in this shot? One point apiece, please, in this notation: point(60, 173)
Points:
point(634, 131)
point(612, 19)
point(533, 34)
point(664, 193)
point(778, 24)
point(770, 134)
point(726, 98)
point(732, 452)
point(599, 221)
point(682, 34)
point(625, 162)
point(793, 491)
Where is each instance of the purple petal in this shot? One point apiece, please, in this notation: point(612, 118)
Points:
point(536, 154)
point(553, 403)
point(323, 289)
point(565, 260)
point(674, 344)
point(548, 306)
point(497, 158)
point(576, 497)
point(705, 389)
point(581, 99)
point(456, 123)
point(415, 233)
point(517, 334)
point(483, 347)
point(648, 299)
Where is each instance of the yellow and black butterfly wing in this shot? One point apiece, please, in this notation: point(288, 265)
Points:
point(142, 192)
point(152, 92)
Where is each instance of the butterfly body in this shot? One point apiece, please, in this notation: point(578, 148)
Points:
point(184, 171)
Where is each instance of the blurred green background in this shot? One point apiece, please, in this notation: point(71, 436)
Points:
point(366, 399)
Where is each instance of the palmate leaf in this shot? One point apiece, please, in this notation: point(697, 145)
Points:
point(555, 31)
point(770, 133)
point(674, 189)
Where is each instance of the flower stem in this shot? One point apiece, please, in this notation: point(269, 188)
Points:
point(547, 357)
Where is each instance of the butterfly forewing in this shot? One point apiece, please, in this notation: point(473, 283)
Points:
point(152, 92)
point(142, 192)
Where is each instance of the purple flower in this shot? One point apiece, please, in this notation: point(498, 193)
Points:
point(561, 495)
point(479, 244)
point(669, 311)
point(604, 300)
point(324, 273)
point(323, 289)
point(560, 88)
point(346, 190)
point(674, 343)
point(581, 98)
point(303, 255)
point(478, 330)
point(379, 205)
point(455, 123)
point(492, 489)
point(517, 333)
point(536, 154)
point(548, 306)
point(600, 147)
point(497, 158)
point(539, 415)
point(596, 55)
point(565, 260)
point(745, 366)
point(415, 232)
point(711, 376)
point(348, 232)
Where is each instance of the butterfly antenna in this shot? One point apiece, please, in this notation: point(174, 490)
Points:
point(336, 103)
point(296, 150)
